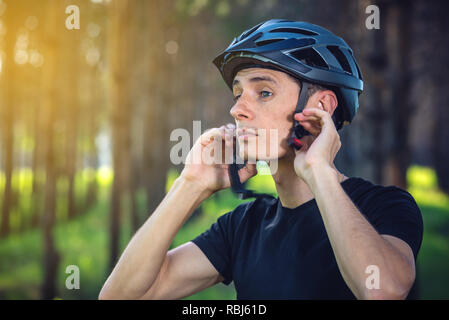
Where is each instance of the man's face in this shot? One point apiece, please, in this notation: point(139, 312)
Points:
point(263, 111)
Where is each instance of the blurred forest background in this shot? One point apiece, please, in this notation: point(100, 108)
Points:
point(86, 117)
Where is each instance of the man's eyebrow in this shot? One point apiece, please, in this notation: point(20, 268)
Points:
point(256, 79)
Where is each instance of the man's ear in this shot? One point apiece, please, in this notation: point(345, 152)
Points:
point(327, 100)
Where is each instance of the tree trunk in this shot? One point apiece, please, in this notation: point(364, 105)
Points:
point(401, 107)
point(135, 222)
point(436, 61)
point(50, 85)
point(8, 151)
point(92, 114)
point(377, 80)
point(120, 116)
point(156, 128)
point(36, 166)
point(8, 117)
point(92, 188)
point(72, 119)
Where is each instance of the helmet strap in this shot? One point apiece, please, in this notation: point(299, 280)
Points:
point(236, 185)
point(298, 131)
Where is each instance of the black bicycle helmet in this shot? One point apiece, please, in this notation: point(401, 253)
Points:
point(306, 51)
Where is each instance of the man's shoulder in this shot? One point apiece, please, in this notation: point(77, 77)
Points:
point(363, 186)
point(363, 190)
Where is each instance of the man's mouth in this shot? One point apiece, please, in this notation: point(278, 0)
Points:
point(245, 133)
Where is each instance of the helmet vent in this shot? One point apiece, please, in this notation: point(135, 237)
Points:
point(309, 57)
point(340, 58)
point(265, 42)
point(248, 32)
point(295, 30)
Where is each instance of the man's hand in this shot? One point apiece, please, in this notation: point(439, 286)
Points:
point(320, 149)
point(210, 170)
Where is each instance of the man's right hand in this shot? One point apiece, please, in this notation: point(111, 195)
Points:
point(205, 168)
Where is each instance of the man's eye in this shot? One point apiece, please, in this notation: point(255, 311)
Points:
point(236, 97)
point(265, 94)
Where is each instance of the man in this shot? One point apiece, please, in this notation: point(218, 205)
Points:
point(323, 233)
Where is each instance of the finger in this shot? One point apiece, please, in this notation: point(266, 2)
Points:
point(313, 124)
point(325, 118)
point(205, 137)
point(301, 117)
point(313, 128)
point(248, 171)
point(228, 147)
point(230, 131)
point(318, 113)
point(211, 135)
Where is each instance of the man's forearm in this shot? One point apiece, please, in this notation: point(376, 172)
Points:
point(355, 243)
point(140, 263)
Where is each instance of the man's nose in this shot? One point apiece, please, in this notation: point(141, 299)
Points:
point(241, 111)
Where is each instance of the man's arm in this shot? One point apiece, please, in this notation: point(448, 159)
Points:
point(146, 270)
point(145, 261)
point(186, 271)
point(356, 244)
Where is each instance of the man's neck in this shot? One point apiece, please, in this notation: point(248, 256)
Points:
point(292, 190)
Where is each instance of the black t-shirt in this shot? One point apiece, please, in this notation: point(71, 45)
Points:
point(273, 252)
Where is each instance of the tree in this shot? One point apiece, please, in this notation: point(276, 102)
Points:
point(401, 107)
point(160, 84)
point(8, 75)
point(120, 114)
point(72, 113)
point(50, 94)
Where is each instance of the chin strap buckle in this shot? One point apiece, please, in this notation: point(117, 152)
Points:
point(296, 143)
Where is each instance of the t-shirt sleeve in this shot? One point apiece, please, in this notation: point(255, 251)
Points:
point(396, 213)
point(216, 244)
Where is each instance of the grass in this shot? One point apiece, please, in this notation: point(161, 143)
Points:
point(84, 241)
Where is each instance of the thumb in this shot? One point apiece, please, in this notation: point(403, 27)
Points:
point(250, 170)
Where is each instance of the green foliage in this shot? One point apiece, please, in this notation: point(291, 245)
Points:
point(422, 177)
point(84, 241)
point(423, 185)
point(433, 258)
